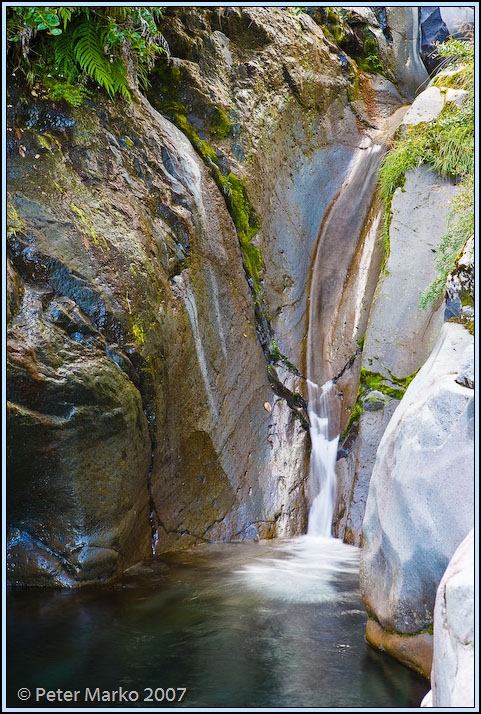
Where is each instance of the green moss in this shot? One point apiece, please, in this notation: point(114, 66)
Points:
point(353, 418)
point(137, 330)
point(375, 381)
point(361, 341)
point(44, 142)
point(14, 222)
point(207, 153)
point(221, 126)
point(88, 226)
point(245, 219)
point(86, 222)
point(370, 61)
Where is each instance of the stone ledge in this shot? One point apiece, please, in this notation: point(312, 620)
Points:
point(414, 651)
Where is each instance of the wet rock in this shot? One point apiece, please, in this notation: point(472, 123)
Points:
point(399, 335)
point(420, 502)
point(79, 452)
point(466, 372)
point(136, 378)
point(415, 651)
point(403, 56)
point(453, 670)
point(374, 400)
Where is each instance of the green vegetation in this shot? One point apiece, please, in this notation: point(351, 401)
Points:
point(62, 48)
point(245, 219)
point(370, 61)
point(370, 381)
point(221, 126)
point(447, 145)
point(460, 228)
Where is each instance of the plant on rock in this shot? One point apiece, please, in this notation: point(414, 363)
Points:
point(63, 47)
point(447, 145)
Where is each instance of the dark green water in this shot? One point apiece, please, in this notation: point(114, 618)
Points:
point(275, 624)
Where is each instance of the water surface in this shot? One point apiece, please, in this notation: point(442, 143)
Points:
point(271, 624)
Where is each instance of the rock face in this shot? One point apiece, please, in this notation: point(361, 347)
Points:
point(399, 335)
point(137, 354)
point(433, 30)
point(294, 114)
point(136, 379)
point(404, 54)
point(420, 503)
point(453, 669)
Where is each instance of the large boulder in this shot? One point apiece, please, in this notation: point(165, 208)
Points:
point(420, 502)
point(452, 675)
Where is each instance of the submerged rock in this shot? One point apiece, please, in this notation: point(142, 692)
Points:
point(420, 502)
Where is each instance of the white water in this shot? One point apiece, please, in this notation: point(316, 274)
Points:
point(323, 459)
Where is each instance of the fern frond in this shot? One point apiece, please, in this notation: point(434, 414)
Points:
point(119, 12)
point(119, 79)
point(64, 54)
point(90, 55)
point(65, 14)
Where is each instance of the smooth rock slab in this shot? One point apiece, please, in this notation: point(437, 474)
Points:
point(400, 336)
point(420, 502)
point(452, 676)
point(426, 107)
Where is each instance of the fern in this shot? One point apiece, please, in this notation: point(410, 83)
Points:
point(119, 12)
point(64, 56)
point(89, 53)
point(119, 80)
point(65, 15)
point(75, 43)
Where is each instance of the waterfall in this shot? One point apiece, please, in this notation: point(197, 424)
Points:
point(338, 241)
point(323, 459)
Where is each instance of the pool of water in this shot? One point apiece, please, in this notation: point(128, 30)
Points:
point(270, 624)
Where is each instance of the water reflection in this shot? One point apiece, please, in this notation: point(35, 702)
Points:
point(270, 624)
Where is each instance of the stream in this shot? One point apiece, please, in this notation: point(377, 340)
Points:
point(276, 623)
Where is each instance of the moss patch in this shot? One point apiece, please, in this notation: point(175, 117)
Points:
point(393, 387)
point(221, 125)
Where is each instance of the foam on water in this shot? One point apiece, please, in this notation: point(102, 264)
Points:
point(306, 570)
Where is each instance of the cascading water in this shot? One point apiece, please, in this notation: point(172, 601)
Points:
point(323, 459)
